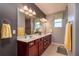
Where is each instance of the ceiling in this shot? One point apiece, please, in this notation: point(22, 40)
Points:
point(50, 8)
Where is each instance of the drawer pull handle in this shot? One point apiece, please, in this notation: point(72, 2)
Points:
point(31, 43)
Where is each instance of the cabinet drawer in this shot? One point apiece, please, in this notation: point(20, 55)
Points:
point(31, 43)
point(45, 40)
point(37, 41)
point(33, 50)
point(41, 39)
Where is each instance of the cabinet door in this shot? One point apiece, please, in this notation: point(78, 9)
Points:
point(33, 49)
point(50, 39)
point(21, 48)
point(41, 46)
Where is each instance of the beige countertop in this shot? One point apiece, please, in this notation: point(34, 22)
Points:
point(34, 37)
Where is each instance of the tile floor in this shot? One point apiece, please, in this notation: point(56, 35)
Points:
point(51, 51)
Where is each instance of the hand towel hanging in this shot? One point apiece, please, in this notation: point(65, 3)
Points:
point(67, 42)
point(6, 31)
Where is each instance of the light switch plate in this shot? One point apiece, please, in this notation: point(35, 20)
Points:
point(14, 31)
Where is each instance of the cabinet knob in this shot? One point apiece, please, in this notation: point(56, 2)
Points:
point(31, 44)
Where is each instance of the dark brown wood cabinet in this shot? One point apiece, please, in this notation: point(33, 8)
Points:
point(33, 48)
point(21, 48)
point(27, 49)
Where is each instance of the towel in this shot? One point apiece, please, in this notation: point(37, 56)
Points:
point(6, 31)
point(67, 42)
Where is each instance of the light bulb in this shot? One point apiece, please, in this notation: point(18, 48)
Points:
point(30, 10)
point(30, 15)
point(34, 13)
point(21, 10)
point(25, 8)
point(43, 20)
point(26, 13)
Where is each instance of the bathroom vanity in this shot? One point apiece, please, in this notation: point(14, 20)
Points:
point(34, 46)
point(28, 42)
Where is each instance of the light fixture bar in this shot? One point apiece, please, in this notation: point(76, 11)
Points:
point(27, 11)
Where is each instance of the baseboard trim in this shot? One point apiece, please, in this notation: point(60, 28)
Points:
point(58, 44)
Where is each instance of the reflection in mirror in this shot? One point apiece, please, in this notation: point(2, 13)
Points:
point(37, 26)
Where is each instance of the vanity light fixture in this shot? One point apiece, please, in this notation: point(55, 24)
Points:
point(43, 20)
point(27, 11)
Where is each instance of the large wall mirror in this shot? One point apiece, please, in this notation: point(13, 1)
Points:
point(27, 25)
